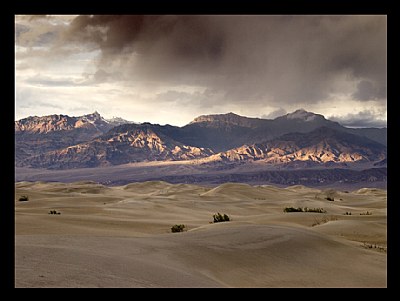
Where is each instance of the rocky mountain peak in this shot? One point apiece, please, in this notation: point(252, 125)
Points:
point(303, 115)
point(35, 124)
point(118, 121)
point(95, 116)
point(229, 119)
point(216, 117)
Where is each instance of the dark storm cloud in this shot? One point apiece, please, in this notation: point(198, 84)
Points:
point(367, 91)
point(361, 119)
point(250, 58)
point(182, 37)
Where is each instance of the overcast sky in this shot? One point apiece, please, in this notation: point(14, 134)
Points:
point(171, 69)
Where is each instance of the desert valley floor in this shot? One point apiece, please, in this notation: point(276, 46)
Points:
point(121, 236)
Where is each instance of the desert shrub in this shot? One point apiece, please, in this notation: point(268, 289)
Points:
point(292, 209)
point(305, 209)
point(317, 210)
point(366, 213)
point(23, 198)
point(218, 217)
point(375, 246)
point(330, 194)
point(54, 212)
point(178, 228)
point(347, 213)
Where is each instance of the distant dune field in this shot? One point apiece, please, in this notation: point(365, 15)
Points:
point(120, 236)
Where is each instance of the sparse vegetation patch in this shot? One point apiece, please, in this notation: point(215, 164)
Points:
point(23, 198)
point(218, 217)
point(54, 212)
point(178, 228)
point(374, 246)
point(292, 209)
point(317, 210)
point(305, 209)
point(366, 213)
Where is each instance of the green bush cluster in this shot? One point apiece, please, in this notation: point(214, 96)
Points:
point(218, 217)
point(317, 210)
point(305, 209)
point(178, 228)
point(292, 209)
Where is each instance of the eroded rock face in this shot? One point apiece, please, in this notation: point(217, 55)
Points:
point(38, 135)
point(136, 145)
point(53, 123)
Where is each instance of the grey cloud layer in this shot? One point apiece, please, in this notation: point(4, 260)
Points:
point(361, 119)
point(274, 58)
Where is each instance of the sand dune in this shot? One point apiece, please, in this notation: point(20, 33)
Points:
point(120, 236)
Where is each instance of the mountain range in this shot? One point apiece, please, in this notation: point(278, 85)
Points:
point(63, 142)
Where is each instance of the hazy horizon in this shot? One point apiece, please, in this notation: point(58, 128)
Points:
point(171, 69)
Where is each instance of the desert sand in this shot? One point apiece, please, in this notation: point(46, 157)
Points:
point(120, 236)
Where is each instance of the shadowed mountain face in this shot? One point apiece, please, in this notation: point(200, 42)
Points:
point(62, 142)
point(322, 145)
point(223, 132)
point(227, 131)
